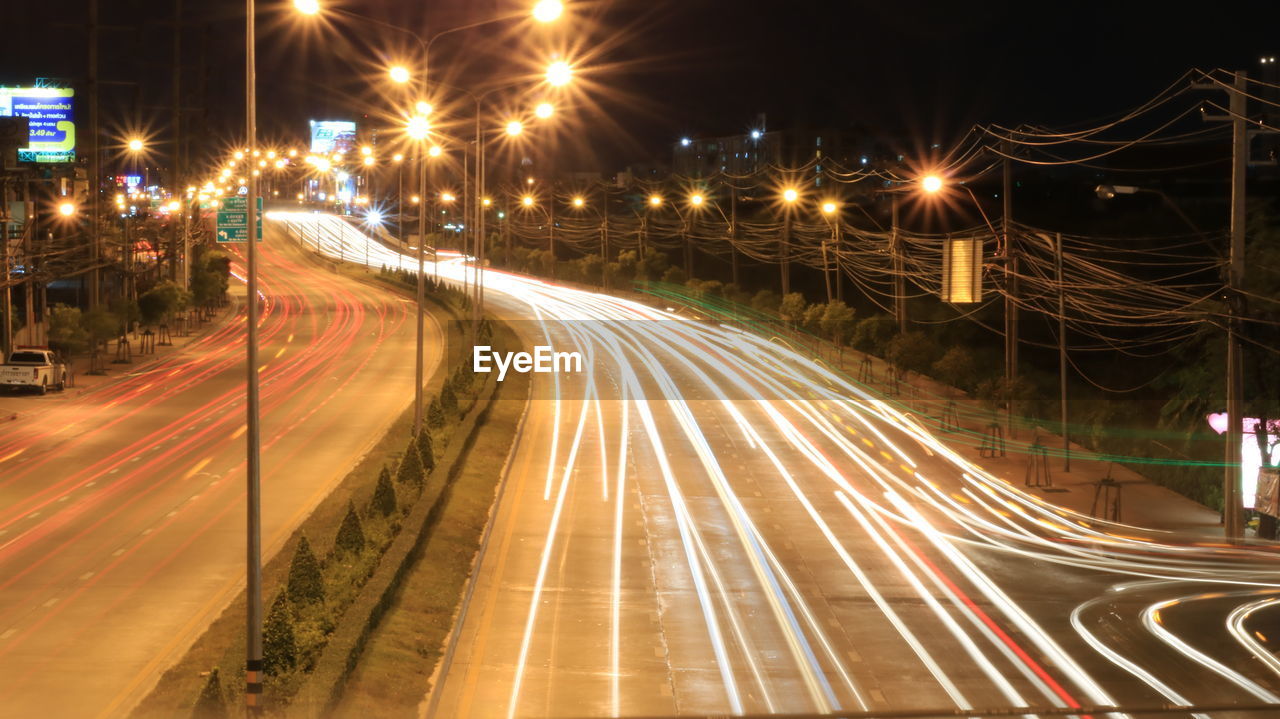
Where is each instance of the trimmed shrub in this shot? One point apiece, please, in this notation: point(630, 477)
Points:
point(211, 704)
point(435, 414)
point(279, 647)
point(305, 585)
point(426, 450)
point(384, 494)
point(410, 470)
point(350, 535)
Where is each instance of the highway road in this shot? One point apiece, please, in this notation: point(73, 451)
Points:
point(706, 522)
point(122, 509)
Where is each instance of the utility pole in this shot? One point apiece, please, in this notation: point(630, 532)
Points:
point(253, 465)
point(1011, 286)
point(1232, 487)
point(1062, 352)
point(786, 252)
point(899, 280)
point(733, 232)
point(95, 166)
point(176, 158)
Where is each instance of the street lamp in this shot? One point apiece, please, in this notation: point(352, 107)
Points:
point(515, 127)
point(831, 211)
point(66, 209)
point(789, 197)
point(548, 10)
point(399, 74)
point(559, 73)
point(544, 110)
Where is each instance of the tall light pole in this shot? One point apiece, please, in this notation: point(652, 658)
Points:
point(253, 582)
point(789, 197)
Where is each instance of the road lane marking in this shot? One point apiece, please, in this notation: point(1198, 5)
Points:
point(282, 349)
point(51, 602)
point(199, 466)
point(85, 576)
point(236, 434)
point(12, 455)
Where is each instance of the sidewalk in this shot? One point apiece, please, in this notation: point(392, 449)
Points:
point(15, 405)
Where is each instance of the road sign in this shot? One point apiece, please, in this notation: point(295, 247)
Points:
point(233, 220)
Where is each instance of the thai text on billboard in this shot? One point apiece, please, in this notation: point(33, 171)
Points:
point(51, 117)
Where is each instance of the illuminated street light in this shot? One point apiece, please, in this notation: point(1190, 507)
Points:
point(931, 184)
point(366, 150)
point(515, 127)
point(135, 145)
point(239, 155)
point(398, 157)
point(527, 200)
point(559, 73)
point(415, 199)
point(399, 74)
point(67, 209)
point(368, 161)
point(447, 197)
point(579, 202)
point(790, 195)
point(434, 151)
point(548, 10)
point(418, 127)
point(828, 208)
point(307, 7)
point(655, 200)
point(543, 110)
point(423, 108)
point(486, 202)
point(696, 199)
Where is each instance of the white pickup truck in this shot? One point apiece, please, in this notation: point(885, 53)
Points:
point(34, 368)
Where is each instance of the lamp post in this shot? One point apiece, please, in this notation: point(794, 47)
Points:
point(580, 203)
point(831, 211)
point(789, 197)
point(253, 545)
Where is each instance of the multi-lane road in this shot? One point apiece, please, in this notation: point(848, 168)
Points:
point(706, 522)
point(122, 508)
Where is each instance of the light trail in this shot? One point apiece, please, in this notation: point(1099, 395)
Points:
point(860, 481)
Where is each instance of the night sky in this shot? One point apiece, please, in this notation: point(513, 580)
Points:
point(654, 70)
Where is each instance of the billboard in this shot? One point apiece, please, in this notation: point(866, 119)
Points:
point(51, 121)
point(329, 136)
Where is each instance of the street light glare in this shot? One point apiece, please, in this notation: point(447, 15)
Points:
point(543, 110)
point(434, 151)
point(515, 127)
point(67, 209)
point(418, 127)
point(527, 201)
point(399, 74)
point(398, 157)
point(307, 7)
point(368, 161)
point(579, 202)
point(559, 73)
point(548, 10)
point(790, 194)
point(655, 200)
point(829, 207)
point(447, 197)
point(931, 184)
point(696, 199)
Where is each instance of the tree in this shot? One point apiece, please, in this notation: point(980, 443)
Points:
point(837, 321)
point(675, 276)
point(792, 308)
point(435, 414)
point(66, 335)
point(957, 368)
point(813, 318)
point(305, 584)
point(410, 470)
point(100, 325)
point(126, 313)
point(384, 494)
point(279, 645)
point(211, 703)
point(350, 534)
point(426, 450)
point(448, 399)
point(912, 351)
point(158, 304)
point(766, 301)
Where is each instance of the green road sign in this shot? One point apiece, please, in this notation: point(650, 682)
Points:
point(233, 220)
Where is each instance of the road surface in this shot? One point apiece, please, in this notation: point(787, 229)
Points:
point(122, 509)
point(707, 522)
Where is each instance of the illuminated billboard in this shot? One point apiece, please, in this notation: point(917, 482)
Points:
point(51, 118)
point(329, 136)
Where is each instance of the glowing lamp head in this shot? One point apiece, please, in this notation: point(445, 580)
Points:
point(543, 110)
point(434, 151)
point(515, 127)
point(696, 199)
point(368, 161)
point(399, 74)
point(655, 200)
point(415, 199)
point(418, 127)
point(829, 208)
point(685, 142)
point(790, 195)
point(931, 184)
point(559, 73)
point(307, 7)
point(398, 157)
point(135, 145)
point(548, 10)
point(579, 202)
point(66, 209)
point(527, 201)
point(423, 108)
point(373, 217)
point(486, 202)
point(447, 197)
point(366, 150)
